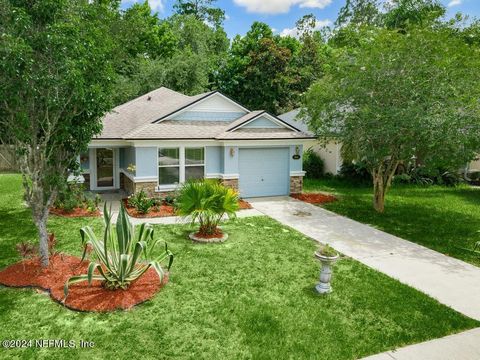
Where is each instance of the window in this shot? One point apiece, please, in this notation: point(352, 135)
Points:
point(177, 165)
point(168, 166)
point(84, 162)
point(194, 163)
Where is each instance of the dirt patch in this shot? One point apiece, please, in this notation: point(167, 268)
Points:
point(81, 297)
point(315, 198)
point(156, 211)
point(244, 205)
point(77, 212)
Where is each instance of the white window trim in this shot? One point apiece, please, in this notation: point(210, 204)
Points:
point(181, 165)
point(116, 170)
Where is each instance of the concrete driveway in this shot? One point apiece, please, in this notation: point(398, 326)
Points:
point(450, 281)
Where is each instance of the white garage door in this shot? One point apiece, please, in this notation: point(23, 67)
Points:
point(264, 172)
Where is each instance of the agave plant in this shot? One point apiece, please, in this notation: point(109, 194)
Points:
point(206, 202)
point(120, 258)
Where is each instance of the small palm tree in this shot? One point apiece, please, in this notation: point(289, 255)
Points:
point(206, 202)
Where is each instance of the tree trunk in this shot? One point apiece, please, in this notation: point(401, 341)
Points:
point(382, 179)
point(379, 191)
point(41, 224)
point(40, 209)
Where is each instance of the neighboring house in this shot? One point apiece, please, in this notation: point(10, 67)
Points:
point(329, 152)
point(163, 138)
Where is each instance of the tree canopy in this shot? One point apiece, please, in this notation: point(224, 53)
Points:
point(399, 93)
point(56, 75)
point(270, 72)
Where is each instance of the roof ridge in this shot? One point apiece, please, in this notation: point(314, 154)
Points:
point(121, 106)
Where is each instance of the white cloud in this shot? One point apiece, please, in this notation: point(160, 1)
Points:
point(156, 5)
point(294, 32)
point(454, 3)
point(280, 6)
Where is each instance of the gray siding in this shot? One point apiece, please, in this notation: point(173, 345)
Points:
point(262, 123)
point(146, 161)
point(296, 165)
point(214, 160)
point(209, 116)
point(230, 162)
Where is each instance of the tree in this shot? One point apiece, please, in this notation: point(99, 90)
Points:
point(396, 96)
point(255, 71)
point(203, 10)
point(308, 59)
point(55, 74)
point(141, 33)
point(189, 68)
point(358, 12)
point(401, 14)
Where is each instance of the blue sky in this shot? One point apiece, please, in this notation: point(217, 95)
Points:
point(282, 14)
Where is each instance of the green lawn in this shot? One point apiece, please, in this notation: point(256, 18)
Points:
point(249, 298)
point(445, 219)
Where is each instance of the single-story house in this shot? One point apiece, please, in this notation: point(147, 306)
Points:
point(329, 152)
point(162, 139)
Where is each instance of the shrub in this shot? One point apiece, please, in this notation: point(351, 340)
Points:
point(421, 175)
point(355, 171)
point(120, 258)
point(312, 164)
point(169, 199)
point(72, 196)
point(141, 202)
point(206, 201)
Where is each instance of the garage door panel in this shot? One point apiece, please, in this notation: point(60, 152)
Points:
point(264, 172)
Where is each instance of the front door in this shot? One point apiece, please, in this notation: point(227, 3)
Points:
point(105, 168)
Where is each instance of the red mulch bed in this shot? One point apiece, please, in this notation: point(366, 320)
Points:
point(77, 212)
point(217, 235)
point(81, 296)
point(315, 198)
point(168, 210)
point(156, 211)
point(244, 205)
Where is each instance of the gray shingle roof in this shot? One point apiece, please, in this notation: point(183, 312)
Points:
point(173, 129)
point(143, 110)
point(267, 134)
point(138, 119)
point(291, 118)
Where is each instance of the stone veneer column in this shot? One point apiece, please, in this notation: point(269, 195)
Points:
point(127, 184)
point(148, 187)
point(231, 183)
point(296, 184)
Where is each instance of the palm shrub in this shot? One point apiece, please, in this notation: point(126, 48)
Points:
point(120, 258)
point(206, 202)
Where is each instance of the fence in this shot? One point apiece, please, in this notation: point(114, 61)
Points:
point(7, 158)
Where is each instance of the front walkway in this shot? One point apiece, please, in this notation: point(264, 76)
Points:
point(450, 281)
point(462, 346)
